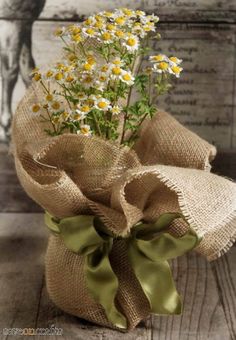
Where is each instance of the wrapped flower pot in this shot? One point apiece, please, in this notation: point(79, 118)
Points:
point(125, 187)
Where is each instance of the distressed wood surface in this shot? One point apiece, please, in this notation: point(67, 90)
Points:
point(168, 10)
point(203, 99)
point(208, 292)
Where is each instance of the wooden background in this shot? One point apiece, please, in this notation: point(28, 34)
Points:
point(203, 34)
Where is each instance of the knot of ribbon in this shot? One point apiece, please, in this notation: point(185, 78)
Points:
point(149, 247)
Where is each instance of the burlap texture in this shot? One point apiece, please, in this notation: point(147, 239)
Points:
point(167, 171)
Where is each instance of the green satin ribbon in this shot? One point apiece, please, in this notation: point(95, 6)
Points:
point(150, 246)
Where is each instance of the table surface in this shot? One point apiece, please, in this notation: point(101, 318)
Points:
point(208, 289)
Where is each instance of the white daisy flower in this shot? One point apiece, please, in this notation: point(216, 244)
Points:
point(138, 30)
point(158, 58)
point(116, 110)
point(78, 115)
point(175, 70)
point(89, 32)
point(115, 71)
point(106, 37)
point(175, 61)
point(85, 130)
point(87, 80)
point(127, 78)
point(117, 61)
point(131, 43)
point(162, 67)
point(102, 104)
point(101, 81)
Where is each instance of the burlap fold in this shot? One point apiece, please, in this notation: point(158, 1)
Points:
point(167, 170)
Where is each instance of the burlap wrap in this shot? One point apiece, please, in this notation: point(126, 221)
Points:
point(168, 170)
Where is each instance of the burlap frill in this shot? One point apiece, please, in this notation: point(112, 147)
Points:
point(168, 170)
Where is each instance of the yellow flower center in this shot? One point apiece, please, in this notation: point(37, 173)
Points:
point(104, 68)
point(69, 79)
point(88, 79)
point(35, 108)
point(110, 27)
point(102, 78)
point(87, 67)
point(106, 36)
point(58, 32)
point(174, 59)
point(108, 14)
point(127, 11)
point(117, 62)
point(116, 71)
point(65, 114)
point(77, 37)
point(120, 20)
point(91, 60)
point(85, 108)
point(84, 130)
point(126, 77)
point(98, 24)
point(37, 76)
point(49, 74)
point(158, 57)
point(119, 34)
point(176, 69)
point(131, 42)
point(56, 105)
point(49, 97)
point(90, 31)
point(59, 76)
point(55, 119)
point(77, 116)
point(102, 105)
point(163, 66)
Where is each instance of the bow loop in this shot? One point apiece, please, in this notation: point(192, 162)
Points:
point(149, 247)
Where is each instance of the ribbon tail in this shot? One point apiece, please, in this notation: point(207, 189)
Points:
point(156, 280)
point(103, 285)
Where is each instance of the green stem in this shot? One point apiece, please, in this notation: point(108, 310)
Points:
point(97, 124)
point(138, 126)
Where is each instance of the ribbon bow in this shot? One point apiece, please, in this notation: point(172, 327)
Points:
point(150, 246)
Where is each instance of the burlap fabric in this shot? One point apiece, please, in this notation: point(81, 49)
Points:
point(167, 171)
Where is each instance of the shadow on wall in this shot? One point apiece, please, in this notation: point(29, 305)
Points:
point(15, 51)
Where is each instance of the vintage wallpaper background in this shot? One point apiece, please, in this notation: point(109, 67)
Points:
point(201, 32)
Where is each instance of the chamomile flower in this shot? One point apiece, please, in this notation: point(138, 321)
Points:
point(162, 67)
point(87, 67)
point(131, 42)
point(175, 60)
point(116, 110)
point(158, 58)
point(102, 104)
point(85, 130)
point(128, 12)
point(106, 37)
point(89, 32)
point(87, 80)
point(60, 31)
point(36, 109)
point(176, 70)
point(138, 30)
point(115, 71)
point(101, 81)
point(84, 108)
point(66, 115)
point(78, 116)
point(117, 61)
point(127, 78)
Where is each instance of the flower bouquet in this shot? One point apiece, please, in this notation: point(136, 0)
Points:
point(125, 187)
